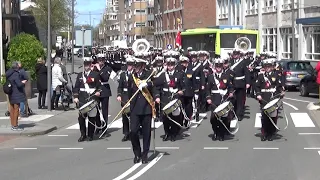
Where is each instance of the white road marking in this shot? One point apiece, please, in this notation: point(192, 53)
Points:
point(57, 135)
point(292, 99)
point(70, 148)
point(215, 148)
point(295, 108)
point(129, 171)
point(155, 125)
point(265, 148)
point(319, 152)
point(195, 123)
point(233, 123)
point(25, 148)
point(309, 133)
point(302, 120)
point(313, 148)
point(167, 147)
point(119, 148)
point(257, 122)
point(203, 114)
point(147, 167)
point(33, 118)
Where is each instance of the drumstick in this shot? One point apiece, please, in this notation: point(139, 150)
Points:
point(128, 102)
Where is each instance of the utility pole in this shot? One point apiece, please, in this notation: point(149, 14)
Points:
point(83, 31)
point(90, 18)
point(73, 37)
point(1, 46)
point(293, 31)
point(49, 56)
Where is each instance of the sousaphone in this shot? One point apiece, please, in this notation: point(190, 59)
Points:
point(140, 46)
point(243, 43)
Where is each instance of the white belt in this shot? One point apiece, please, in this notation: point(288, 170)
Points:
point(269, 90)
point(197, 77)
point(220, 91)
point(170, 90)
point(90, 89)
point(240, 77)
point(104, 83)
point(125, 89)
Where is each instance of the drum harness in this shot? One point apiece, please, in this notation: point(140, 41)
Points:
point(173, 93)
point(223, 93)
point(273, 97)
point(90, 92)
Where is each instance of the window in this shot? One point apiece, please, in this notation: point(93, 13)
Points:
point(252, 7)
point(140, 24)
point(140, 11)
point(200, 42)
point(300, 66)
point(151, 23)
point(286, 34)
point(228, 40)
point(150, 11)
point(312, 36)
point(270, 39)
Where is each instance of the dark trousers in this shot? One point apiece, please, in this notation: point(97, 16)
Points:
point(42, 98)
point(218, 127)
point(55, 99)
point(267, 128)
point(135, 122)
point(202, 102)
point(125, 122)
point(187, 105)
point(170, 128)
point(239, 101)
point(82, 124)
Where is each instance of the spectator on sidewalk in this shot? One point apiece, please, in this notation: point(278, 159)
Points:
point(42, 82)
point(17, 96)
point(318, 79)
point(57, 81)
point(23, 76)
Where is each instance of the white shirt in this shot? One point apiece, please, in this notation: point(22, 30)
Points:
point(57, 76)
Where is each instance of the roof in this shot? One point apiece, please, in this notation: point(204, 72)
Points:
point(309, 21)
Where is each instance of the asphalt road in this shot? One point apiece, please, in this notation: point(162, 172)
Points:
point(294, 155)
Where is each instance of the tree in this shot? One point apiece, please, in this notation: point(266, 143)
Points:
point(59, 14)
point(27, 49)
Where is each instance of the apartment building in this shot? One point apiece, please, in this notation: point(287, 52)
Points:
point(192, 13)
point(10, 17)
point(139, 20)
point(290, 28)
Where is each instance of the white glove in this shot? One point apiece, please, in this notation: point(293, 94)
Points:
point(196, 96)
point(142, 85)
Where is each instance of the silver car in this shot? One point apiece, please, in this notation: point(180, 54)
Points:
point(294, 71)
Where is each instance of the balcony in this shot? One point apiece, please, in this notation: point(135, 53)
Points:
point(150, 17)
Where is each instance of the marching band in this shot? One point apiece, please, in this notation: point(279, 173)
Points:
point(175, 87)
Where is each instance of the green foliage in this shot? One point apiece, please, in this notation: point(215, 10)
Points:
point(3, 79)
point(26, 49)
point(59, 13)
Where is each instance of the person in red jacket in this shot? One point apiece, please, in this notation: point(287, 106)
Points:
point(318, 78)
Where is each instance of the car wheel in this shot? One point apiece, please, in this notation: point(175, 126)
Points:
point(303, 90)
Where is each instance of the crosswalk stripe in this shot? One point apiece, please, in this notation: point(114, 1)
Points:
point(302, 120)
point(257, 122)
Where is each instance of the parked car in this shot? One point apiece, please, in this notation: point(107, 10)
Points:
point(294, 71)
point(308, 84)
point(86, 53)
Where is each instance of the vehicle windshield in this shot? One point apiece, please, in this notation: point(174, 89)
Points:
point(228, 40)
point(199, 42)
point(300, 66)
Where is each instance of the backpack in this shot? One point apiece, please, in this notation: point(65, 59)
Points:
point(7, 87)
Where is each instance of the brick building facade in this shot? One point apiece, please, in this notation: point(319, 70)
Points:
point(193, 14)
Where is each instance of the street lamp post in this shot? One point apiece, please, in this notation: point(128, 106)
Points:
point(49, 57)
point(1, 45)
point(83, 31)
point(73, 38)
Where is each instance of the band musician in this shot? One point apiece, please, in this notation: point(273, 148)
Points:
point(87, 84)
point(219, 88)
point(142, 109)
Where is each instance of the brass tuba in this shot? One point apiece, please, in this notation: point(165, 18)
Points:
point(243, 43)
point(140, 46)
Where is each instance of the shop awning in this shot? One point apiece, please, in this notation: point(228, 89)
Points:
point(309, 21)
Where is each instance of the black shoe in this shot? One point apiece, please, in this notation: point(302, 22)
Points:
point(90, 138)
point(270, 138)
point(39, 107)
point(145, 160)
point(82, 138)
point(136, 159)
point(263, 138)
point(214, 137)
point(173, 138)
point(165, 137)
point(97, 132)
point(125, 138)
point(221, 138)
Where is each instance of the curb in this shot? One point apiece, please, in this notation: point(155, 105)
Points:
point(37, 133)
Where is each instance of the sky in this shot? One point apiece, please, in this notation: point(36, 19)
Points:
point(84, 7)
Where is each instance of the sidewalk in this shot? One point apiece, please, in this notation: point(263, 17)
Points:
point(43, 121)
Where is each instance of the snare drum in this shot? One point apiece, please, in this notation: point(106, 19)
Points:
point(272, 107)
point(173, 107)
point(126, 110)
point(89, 106)
point(223, 109)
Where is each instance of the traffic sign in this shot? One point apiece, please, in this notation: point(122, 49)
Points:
point(169, 46)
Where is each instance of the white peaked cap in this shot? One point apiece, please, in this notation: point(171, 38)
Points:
point(189, 48)
point(193, 53)
point(183, 58)
point(218, 61)
point(170, 59)
point(87, 59)
point(100, 55)
point(158, 58)
point(269, 61)
point(171, 53)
